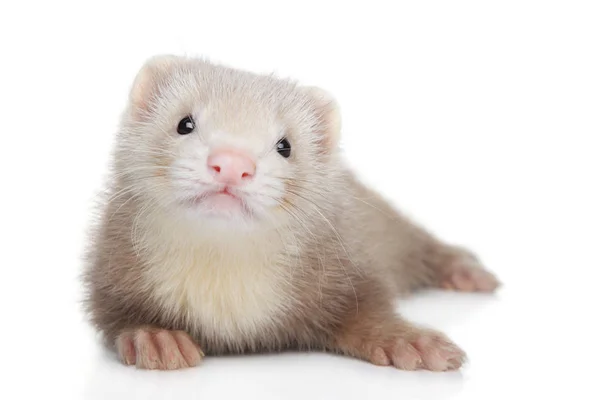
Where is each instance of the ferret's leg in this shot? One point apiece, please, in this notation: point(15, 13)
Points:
point(383, 338)
point(154, 348)
point(416, 257)
point(456, 268)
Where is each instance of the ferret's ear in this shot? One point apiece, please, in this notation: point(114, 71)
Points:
point(329, 121)
point(149, 79)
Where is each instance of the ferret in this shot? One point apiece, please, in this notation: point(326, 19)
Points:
point(233, 225)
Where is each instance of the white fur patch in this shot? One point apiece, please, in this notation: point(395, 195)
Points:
point(231, 293)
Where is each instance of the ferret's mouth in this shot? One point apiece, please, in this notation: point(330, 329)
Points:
point(226, 192)
point(221, 201)
point(221, 193)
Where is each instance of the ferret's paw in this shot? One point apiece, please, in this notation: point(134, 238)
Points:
point(419, 350)
point(466, 274)
point(150, 348)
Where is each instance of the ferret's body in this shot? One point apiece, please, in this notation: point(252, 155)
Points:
point(288, 252)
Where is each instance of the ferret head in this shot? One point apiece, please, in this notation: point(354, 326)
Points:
point(214, 145)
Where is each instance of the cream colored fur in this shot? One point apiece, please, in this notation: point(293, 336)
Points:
point(230, 287)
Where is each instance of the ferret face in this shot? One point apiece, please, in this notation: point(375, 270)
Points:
point(213, 145)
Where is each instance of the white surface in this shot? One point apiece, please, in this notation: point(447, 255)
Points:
point(480, 120)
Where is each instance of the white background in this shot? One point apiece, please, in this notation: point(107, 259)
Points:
point(480, 119)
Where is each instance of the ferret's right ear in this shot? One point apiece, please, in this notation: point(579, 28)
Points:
point(149, 79)
point(328, 116)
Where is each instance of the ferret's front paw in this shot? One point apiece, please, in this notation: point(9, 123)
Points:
point(151, 348)
point(423, 349)
point(464, 272)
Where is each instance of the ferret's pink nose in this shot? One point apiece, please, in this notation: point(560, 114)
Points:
point(231, 166)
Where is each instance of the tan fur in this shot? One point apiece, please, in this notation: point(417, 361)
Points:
point(318, 264)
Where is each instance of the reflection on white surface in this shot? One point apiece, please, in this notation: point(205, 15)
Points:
point(266, 377)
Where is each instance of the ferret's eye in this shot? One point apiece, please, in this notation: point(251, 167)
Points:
point(186, 126)
point(284, 148)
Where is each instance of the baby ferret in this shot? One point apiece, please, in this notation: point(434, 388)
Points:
point(233, 225)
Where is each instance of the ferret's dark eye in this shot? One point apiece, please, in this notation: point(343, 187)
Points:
point(186, 126)
point(284, 148)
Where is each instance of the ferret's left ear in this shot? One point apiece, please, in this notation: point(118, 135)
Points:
point(327, 111)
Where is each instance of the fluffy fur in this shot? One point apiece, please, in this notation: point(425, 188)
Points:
point(314, 261)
